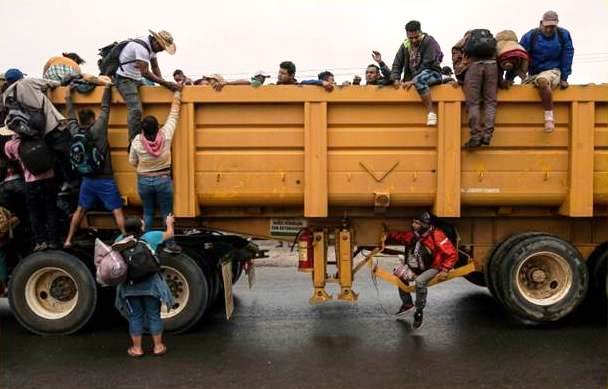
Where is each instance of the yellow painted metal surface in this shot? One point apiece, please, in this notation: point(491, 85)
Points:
point(304, 148)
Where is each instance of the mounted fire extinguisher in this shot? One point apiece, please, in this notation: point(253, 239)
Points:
point(306, 254)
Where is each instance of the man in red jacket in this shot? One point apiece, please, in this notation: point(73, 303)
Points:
point(429, 253)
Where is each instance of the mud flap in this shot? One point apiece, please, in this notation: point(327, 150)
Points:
point(228, 297)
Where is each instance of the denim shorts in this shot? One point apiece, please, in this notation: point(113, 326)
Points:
point(103, 190)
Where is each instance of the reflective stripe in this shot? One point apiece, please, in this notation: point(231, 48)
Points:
point(443, 242)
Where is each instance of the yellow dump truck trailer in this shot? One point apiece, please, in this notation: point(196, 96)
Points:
point(528, 212)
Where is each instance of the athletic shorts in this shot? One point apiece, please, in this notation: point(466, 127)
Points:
point(102, 190)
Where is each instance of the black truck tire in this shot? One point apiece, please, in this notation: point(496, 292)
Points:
point(498, 254)
point(189, 288)
point(598, 270)
point(542, 278)
point(52, 293)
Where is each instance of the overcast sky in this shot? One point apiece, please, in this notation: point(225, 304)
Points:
point(236, 38)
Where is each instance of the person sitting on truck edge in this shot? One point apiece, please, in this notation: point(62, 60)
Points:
point(378, 74)
point(151, 155)
point(100, 185)
point(324, 79)
point(140, 302)
point(419, 59)
point(57, 67)
point(180, 78)
point(474, 58)
point(512, 59)
point(551, 52)
point(429, 252)
point(140, 63)
point(287, 73)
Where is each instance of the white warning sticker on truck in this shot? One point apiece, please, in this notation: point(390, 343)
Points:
point(286, 227)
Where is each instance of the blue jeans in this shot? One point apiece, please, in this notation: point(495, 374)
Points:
point(425, 79)
point(129, 90)
point(144, 311)
point(155, 192)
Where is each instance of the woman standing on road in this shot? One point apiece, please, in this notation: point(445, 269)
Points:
point(140, 301)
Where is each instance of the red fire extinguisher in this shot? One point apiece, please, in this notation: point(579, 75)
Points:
point(306, 255)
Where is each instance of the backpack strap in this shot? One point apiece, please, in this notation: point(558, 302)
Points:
point(139, 42)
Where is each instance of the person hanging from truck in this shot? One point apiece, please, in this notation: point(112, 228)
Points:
point(429, 253)
point(419, 59)
point(139, 301)
point(474, 58)
point(180, 78)
point(325, 79)
point(151, 155)
point(132, 61)
point(512, 59)
point(91, 158)
point(551, 52)
point(28, 96)
point(57, 67)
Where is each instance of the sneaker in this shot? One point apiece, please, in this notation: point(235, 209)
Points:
point(431, 119)
point(549, 126)
point(404, 308)
point(473, 143)
point(172, 248)
point(486, 139)
point(418, 319)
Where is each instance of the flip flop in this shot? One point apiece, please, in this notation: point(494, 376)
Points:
point(133, 354)
point(162, 352)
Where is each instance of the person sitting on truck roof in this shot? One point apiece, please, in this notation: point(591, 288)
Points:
point(140, 301)
point(378, 74)
point(151, 155)
point(287, 73)
point(551, 52)
point(138, 63)
point(99, 185)
point(429, 253)
point(474, 57)
point(512, 59)
point(419, 59)
point(324, 79)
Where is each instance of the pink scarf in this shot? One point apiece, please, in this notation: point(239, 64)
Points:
point(154, 147)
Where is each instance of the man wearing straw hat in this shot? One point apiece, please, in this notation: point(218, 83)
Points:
point(138, 62)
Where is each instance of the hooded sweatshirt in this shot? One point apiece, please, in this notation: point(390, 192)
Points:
point(154, 156)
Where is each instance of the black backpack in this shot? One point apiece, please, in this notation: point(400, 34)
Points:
point(24, 119)
point(36, 155)
point(481, 44)
point(141, 261)
point(109, 62)
point(84, 155)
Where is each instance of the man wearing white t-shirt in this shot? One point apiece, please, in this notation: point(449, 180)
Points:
point(138, 62)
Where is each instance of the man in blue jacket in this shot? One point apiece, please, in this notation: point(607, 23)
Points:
point(551, 52)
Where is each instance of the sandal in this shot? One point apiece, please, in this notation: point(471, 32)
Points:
point(163, 351)
point(133, 354)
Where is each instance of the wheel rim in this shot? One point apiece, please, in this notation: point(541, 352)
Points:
point(179, 289)
point(51, 293)
point(544, 278)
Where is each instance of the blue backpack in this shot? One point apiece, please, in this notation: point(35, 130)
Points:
point(84, 155)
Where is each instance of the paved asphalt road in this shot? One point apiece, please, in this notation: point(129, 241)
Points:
point(277, 340)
